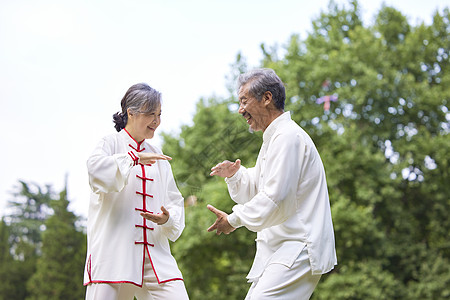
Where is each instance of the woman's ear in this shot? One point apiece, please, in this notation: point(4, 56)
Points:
point(129, 113)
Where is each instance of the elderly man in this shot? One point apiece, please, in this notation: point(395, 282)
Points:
point(284, 197)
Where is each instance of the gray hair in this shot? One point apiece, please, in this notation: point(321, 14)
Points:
point(261, 81)
point(140, 98)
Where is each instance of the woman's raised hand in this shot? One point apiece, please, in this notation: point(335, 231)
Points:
point(146, 158)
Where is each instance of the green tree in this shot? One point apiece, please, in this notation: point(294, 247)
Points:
point(7, 290)
point(13, 277)
point(384, 143)
point(213, 267)
point(28, 211)
point(385, 148)
point(218, 133)
point(20, 250)
point(5, 254)
point(40, 247)
point(59, 270)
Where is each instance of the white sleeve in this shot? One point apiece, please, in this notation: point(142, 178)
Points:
point(108, 171)
point(174, 203)
point(242, 185)
point(276, 201)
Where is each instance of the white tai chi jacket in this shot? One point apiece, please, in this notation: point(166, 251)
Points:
point(284, 198)
point(118, 236)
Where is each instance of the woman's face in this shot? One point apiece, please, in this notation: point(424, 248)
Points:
point(143, 125)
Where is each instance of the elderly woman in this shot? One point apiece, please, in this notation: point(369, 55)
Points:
point(135, 208)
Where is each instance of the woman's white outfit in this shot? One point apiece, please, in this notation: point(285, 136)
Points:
point(120, 240)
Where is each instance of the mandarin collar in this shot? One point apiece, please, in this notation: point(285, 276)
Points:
point(130, 139)
point(270, 130)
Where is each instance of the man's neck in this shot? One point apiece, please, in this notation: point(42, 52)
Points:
point(273, 114)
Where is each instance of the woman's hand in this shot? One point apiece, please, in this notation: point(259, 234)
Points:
point(226, 168)
point(159, 218)
point(151, 158)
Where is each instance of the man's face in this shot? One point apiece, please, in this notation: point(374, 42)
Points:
point(254, 111)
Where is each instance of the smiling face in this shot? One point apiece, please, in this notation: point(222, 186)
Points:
point(255, 112)
point(143, 125)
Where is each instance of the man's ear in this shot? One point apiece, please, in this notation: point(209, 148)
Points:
point(267, 98)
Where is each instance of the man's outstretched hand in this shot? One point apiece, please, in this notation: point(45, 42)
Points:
point(221, 224)
point(226, 168)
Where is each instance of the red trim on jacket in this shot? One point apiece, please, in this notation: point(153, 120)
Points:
point(145, 226)
point(154, 271)
point(137, 150)
point(144, 243)
point(124, 281)
point(145, 178)
point(134, 158)
point(137, 143)
point(112, 282)
point(144, 194)
point(89, 268)
point(143, 210)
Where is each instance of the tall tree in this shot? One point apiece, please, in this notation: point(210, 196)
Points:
point(384, 144)
point(28, 211)
point(6, 285)
point(213, 267)
point(59, 270)
point(5, 253)
point(23, 224)
point(13, 272)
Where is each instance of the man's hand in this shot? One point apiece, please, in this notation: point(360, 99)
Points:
point(151, 158)
point(221, 224)
point(159, 218)
point(226, 168)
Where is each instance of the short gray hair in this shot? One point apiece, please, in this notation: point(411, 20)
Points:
point(261, 81)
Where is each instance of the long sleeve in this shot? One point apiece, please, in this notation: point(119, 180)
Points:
point(118, 235)
point(242, 185)
point(290, 208)
point(174, 203)
point(275, 201)
point(108, 172)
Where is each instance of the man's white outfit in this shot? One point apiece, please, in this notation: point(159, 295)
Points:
point(123, 247)
point(284, 198)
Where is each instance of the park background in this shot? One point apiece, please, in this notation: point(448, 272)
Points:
point(384, 142)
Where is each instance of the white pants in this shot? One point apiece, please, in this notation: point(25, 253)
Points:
point(280, 282)
point(151, 290)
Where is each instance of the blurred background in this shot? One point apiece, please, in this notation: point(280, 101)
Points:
point(64, 67)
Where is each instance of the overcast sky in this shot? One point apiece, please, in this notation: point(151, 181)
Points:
point(65, 65)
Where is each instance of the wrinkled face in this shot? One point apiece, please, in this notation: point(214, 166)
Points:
point(254, 111)
point(144, 124)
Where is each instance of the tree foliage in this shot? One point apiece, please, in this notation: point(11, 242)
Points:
point(22, 246)
point(384, 144)
point(213, 267)
point(41, 250)
point(29, 210)
point(59, 270)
